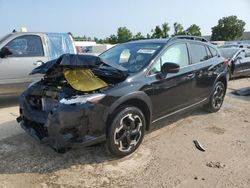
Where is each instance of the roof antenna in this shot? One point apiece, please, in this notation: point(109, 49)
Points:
point(14, 30)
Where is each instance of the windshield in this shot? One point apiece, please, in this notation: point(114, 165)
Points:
point(228, 53)
point(132, 56)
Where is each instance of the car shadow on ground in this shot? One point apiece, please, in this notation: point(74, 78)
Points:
point(174, 118)
point(23, 154)
point(8, 101)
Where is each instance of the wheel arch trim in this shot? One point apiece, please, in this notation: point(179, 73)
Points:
point(139, 96)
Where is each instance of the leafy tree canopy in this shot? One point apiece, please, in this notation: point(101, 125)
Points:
point(194, 30)
point(228, 28)
point(178, 29)
point(160, 31)
point(123, 35)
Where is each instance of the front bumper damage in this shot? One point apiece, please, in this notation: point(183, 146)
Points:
point(64, 126)
point(45, 116)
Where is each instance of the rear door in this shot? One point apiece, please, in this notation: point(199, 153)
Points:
point(203, 63)
point(28, 52)
point(175, 90)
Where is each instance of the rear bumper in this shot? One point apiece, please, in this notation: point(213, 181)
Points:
point(65, 126)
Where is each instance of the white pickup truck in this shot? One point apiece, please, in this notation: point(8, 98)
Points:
point(21, 52)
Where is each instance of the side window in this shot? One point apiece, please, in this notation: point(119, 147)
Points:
point(176, 53)
point(242, 54)
point(198, 53)
point(209, 54)
point(213, 51)
point(26, 46)
point(247, 54)
point(60, 43)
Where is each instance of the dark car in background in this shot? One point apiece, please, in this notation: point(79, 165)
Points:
point(238, 60)
point(127, 90)
point(236, 46)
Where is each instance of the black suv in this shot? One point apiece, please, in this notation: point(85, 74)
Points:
point(83, 100)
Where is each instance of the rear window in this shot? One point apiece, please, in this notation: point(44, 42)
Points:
point(228, 53)
point(198, 53)
point(59, 43)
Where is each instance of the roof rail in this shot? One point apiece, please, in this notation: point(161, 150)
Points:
point(189, 37)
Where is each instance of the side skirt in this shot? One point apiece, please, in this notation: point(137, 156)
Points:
point(180, 110)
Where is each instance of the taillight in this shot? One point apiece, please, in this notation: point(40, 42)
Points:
point(227, 62)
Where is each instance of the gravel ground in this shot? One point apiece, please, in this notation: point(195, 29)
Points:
point(166, 158)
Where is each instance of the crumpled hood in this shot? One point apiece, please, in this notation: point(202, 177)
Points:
point(75, 60)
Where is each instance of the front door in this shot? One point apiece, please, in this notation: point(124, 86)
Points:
point(27, 53)
point(175, 90)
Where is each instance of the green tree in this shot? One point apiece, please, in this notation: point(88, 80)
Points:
point(148, 36)
point(96, 39)
point(78, 38)
point(178, 29)
point(228, 28)
point(112, 39)
point(157, 32)
point(123, 35)
point(194, 30)
point(165, 30)
point(82, 38)
point(138, 36)
point(160, 31)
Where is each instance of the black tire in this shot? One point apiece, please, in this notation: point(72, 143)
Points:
point(217, 97)
point(61, 150)
point(126, 131)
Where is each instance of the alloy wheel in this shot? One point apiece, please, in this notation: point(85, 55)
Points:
point(218, 96)
point(128, 133)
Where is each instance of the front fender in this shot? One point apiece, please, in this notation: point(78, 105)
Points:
point(138, 95)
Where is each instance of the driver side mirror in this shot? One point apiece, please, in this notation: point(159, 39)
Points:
point(5, 52)
point(168, 68)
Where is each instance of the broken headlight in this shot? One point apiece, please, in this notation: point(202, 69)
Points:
point(94, 98)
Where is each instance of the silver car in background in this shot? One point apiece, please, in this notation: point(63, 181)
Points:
point(21, 52)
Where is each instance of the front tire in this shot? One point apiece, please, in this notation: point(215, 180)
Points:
point(217, 97)
point(126, 131)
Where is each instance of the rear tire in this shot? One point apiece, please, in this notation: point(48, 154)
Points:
point(126, 131)
point(217, 97)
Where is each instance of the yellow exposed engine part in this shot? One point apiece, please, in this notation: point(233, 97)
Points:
point(83, 79)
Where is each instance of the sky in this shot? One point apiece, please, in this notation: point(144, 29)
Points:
point(101, 18)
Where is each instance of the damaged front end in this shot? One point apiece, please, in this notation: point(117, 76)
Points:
point(64, 109)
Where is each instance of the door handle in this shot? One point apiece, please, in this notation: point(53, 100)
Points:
point(38, 63)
